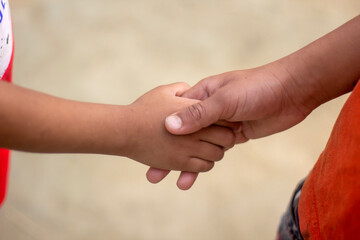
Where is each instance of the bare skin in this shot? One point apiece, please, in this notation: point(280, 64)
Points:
point(272, 98)
point(37, 122)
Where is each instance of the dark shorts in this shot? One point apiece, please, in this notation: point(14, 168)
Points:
point(289, 225)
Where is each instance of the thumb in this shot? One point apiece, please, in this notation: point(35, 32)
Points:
point(195, 117)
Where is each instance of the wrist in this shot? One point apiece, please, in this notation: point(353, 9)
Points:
point(126, 135)
point(292, 86)
point(325, 69)
point(301, 85)
point(120, 131)
point(104, 129)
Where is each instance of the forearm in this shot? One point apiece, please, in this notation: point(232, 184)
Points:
point(36, 122)
point(326, 68)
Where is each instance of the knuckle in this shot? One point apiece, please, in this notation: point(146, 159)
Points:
point(206, 166)
point(240, 138)
point(219, 154)
point(199, 165)
point(196, 111)
point(183, 84)
point(230, 139)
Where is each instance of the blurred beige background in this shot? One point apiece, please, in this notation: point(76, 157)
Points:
point(113, 51)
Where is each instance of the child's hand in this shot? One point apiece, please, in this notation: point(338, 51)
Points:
point(264, 100)
point(187, 179)
point(274, 97)
point(137, 131)
point(279, 95)
point(152, 145)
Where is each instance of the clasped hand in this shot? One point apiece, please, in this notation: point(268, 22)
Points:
point(253, 103)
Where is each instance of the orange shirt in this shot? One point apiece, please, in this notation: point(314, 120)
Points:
point(329, 205)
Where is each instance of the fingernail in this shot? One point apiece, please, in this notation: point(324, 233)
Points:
point(173, 122)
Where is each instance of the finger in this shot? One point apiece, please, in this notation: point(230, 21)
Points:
point(221, 136)
point(155, 175)
point(195, 117)
point(177, 89)
point(237, 128)
point(198, 91)
point(196, 164)
point(209, 152)
point(186, 180)
point(206, 87)
point(239, 134)
point(240, 138)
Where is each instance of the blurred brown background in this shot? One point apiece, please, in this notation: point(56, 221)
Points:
point(113, 51)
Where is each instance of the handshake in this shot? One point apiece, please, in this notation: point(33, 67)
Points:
point(202, 122)
point(190, 150)
point(175, 127)
point(172, 127)
point(189, 129)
